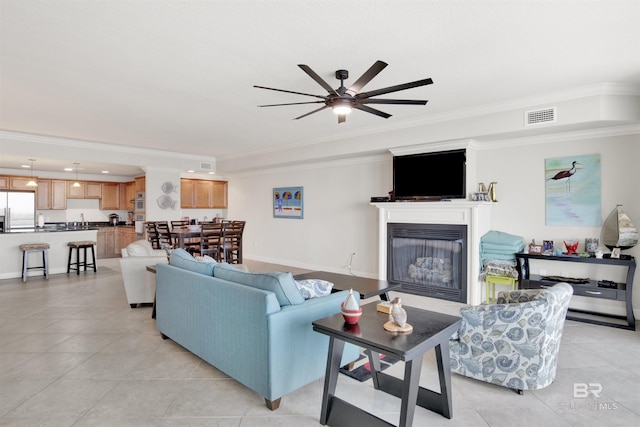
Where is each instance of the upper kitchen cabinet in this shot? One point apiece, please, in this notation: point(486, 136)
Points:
point(127, 195)
point(20, 183)
point(140, 184)
point(219, 193)
point(51, 194)
point(110, 199)
point(203, 194)
point(86, 190)
point(4, 182)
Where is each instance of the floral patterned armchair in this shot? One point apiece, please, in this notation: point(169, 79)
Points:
point(514, 342)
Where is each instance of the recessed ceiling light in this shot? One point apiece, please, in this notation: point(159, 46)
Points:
point(190, 171)
point(212, 173)
point(68, 169)
point(105, 171)
point(25, 166)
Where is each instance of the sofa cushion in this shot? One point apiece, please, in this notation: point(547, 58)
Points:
point(314, 288)
point(183, 259)
point(140, 248)
point(281, 284)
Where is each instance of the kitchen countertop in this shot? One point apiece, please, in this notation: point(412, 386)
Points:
point(61, 226)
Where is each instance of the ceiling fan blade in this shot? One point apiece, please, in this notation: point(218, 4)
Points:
point(394, 88)
point(308, 114)
point(289, 91)
point(392, 101)
point(366, 77)
point(292, 103)
point(342, 118)
point(372, 111)
point(318, 79)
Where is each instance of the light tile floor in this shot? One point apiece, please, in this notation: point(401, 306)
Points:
point(73, 353)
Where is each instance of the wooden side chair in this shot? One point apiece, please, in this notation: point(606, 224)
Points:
point(232, 232)
point(211, 240)
point(152, 234)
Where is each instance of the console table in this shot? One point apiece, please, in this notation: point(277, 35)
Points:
point(621, 292)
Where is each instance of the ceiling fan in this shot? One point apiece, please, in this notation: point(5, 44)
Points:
point(342, 100)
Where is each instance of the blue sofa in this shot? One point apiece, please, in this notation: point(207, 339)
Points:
point(256, 328)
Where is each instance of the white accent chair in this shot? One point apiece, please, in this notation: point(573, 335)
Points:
point(140, 284)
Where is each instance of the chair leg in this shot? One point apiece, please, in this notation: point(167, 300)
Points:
point(45, 263)
point(69, 261)
point(24, 266)
point(93, 256)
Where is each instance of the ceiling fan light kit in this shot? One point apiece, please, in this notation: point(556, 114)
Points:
point(342, 100)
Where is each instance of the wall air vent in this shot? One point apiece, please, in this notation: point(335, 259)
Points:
point(537, 117)
point(206, 166)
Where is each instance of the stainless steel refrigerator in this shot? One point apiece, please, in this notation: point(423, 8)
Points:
point(17, 210)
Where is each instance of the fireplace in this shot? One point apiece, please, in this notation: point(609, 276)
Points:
point(428, 259)
point(475, 219)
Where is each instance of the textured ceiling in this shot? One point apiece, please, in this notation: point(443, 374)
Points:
point(178, 75)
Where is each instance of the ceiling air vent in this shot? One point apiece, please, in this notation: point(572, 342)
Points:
point(536, 117)
point(206, 166)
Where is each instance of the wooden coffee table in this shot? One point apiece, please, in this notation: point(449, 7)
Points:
point(430, 330)
point(365, 287)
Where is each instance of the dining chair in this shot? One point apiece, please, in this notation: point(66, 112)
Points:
point(232, 232)
point(152, 234)
point(211, 240)
point(164, 234)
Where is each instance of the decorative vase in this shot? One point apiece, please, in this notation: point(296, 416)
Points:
point(351, 310)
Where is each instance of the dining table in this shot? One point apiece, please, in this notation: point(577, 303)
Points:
point(180, 234)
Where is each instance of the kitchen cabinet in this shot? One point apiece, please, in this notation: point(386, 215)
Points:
point(51, 194)
point(127, 195)
point(87, 190)
point(4, 182)
point(203, 194)
point(219, 194)
point(106, 242)
point(110, 240)
point(140, 184)
point(124, 236)
point(110, 199)
point(20, 183)
point(187, 187)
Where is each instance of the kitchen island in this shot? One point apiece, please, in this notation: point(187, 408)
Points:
point(57, 238)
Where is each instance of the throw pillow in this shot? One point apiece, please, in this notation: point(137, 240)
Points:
point(314, 288)
point(140, 248)
point(183, 259)
point(281, 284)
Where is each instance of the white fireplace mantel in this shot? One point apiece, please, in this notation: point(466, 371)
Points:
point(475, 215)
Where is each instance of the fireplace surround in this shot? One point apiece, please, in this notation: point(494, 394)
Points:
point(475, 216)
point(428, 259)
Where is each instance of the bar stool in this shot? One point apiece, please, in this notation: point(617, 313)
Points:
point(27, 248)
point(79, 262)
point(492, 281)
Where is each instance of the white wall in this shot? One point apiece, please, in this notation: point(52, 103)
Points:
point(338, 219)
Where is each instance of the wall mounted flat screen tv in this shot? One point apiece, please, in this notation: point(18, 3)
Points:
point(430, 176)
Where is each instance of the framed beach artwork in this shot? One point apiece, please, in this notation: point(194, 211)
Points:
point(572, 190)
point(288, 202)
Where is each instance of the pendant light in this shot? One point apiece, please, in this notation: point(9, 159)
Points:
point(76, 184)
point(32, 182)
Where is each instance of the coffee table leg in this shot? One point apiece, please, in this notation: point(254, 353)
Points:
point(410, 387)
point(374, 362)
point(331, 377)
point(444, 372)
